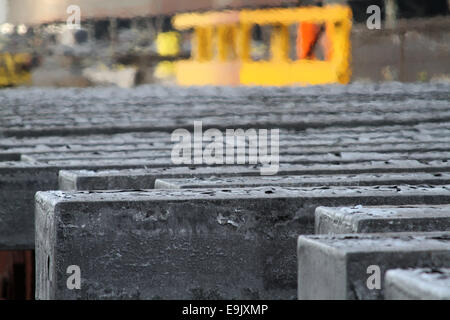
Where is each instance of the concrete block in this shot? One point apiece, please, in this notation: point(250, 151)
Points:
point(142, 122)
point(419, 178)
point(288, 146)
point(352, 266)
point(382, 219)
point(417, 284)
point(237, 243)
point(145, 178)
point(164, 156)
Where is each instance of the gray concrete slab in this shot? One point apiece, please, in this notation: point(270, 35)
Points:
point(417, 284)
point(288, 154)
point(361, 219)
point(234, 243)
point(352, 266)
point(159, 161)
point(145, 178)
point(418, 178)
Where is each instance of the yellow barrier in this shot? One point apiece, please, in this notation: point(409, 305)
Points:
point(221, 47)
point(14, 69)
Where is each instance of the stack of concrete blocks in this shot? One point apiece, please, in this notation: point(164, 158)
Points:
point(161, 230)
point(357, 245)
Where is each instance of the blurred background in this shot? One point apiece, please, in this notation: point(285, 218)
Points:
point(127, 43)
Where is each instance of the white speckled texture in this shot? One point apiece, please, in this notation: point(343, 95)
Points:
point(418, 284)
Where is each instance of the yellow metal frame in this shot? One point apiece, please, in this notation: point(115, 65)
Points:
point(221, 48)
point(11, 73)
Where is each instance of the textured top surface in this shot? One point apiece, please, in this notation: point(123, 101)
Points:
point(260, 192)
point(369, 212)
point(293, 179)
point(370, 165)
point(382, 242)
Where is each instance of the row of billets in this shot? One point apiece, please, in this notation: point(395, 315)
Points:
point(359, 208)
point(241, 242)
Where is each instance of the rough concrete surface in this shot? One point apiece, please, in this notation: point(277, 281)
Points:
point(418, 284)
point(339, 266)
point(419, 178)
point(359, 219)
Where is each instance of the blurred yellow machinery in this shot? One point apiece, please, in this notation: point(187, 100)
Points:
point(14, 69)
point(167, 45)
point(222, 42)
